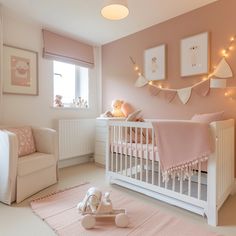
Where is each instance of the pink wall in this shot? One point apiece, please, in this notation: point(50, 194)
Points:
point(118, 76)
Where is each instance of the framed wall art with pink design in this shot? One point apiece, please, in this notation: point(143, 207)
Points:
point(20, 71)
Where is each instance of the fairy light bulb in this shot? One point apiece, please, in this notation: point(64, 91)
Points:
point(160, 86)
point(232, 39)
point(223, 52)
point(136, 68)
point(231, 48)
point(139, 74)
point(226, 94)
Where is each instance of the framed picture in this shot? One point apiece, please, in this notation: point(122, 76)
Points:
point(155, 63)
point(195, 55)
point(20, 71)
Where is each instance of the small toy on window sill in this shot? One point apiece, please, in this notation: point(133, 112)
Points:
point(80, 102)
point(95, 205)
point(58, 101)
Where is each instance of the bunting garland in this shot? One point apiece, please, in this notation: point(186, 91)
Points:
point(202, 88)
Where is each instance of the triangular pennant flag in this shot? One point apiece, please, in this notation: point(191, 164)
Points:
point(154, 90)
point(203, 88)
point(184, 94)
point(223, 70)
point(169, 95)
point(141, 81)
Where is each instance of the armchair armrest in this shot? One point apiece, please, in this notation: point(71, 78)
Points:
point(46, 140)
point(8, 166)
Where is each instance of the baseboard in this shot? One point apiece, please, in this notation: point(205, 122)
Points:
point(75, 161)
point(99, 164)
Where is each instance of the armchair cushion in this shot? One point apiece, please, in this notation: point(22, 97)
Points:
point(34, 162)
point(25, 138)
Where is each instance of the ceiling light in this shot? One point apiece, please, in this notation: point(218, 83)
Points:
point(115, 9)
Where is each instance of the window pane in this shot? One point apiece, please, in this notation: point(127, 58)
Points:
point(64, 81)
point(82, 83)
point(72, 83)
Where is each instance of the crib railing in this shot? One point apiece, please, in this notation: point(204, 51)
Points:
point(133, 157)
point(126, 158)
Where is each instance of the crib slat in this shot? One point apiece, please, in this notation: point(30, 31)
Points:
point(181, 183)
point(126, 141)
point(121, 152)
point(113, 147)
point(153, 156)
point(189, 185)
point(173, 183)
point(165, 184)
point(159, 174)
point(117, 145)
point(199, 181)
point(130, 157)
point(146, 155)
point(141, 156)
point(136, 147)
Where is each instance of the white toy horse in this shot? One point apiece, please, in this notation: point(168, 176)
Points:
point(94, 206)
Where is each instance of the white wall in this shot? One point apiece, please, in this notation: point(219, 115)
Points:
point(37, 110)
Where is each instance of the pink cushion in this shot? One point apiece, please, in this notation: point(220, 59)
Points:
point(127, 109)
point(208, 117)
point(25, 137)
point(133, 116)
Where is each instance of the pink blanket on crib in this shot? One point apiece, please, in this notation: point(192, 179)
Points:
point(181, 145)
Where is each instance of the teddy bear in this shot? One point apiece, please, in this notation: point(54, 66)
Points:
point(116, 108)
point(119, 109)
point(57, 101)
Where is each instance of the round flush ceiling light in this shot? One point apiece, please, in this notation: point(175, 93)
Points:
point(115, 9)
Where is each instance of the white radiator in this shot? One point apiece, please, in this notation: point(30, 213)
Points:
point(76, 137)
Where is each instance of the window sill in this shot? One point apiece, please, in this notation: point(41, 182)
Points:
point(70, 108)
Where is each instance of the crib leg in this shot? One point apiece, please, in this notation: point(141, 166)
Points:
point(212, 211)
point(212, 218)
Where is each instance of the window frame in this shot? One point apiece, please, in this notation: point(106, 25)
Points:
point(77, 83)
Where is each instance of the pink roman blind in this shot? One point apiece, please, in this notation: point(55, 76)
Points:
point(60, 48)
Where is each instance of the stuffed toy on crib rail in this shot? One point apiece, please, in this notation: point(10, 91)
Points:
point(95, 205)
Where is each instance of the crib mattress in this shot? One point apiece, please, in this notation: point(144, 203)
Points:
point(136, 150)
point(140, 150)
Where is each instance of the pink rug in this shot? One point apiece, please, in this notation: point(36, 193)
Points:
point(59, 211)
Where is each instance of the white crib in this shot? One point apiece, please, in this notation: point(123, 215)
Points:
point(129, 164)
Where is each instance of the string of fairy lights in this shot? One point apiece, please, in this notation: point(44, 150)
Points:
point(225, 53)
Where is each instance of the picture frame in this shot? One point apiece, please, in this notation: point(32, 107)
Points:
point(155, 63)
point(20, 71)
point(195, 55)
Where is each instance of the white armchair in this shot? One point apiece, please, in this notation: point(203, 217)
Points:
point(24, 176)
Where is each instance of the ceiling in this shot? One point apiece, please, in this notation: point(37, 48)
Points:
point(81, 18)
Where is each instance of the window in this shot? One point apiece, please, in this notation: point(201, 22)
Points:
point(71, 82)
